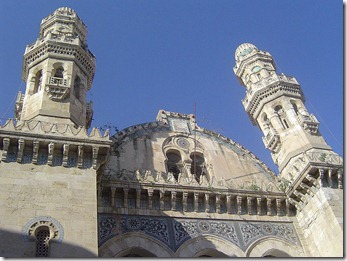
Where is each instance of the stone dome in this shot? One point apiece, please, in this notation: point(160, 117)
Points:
point(244, 49)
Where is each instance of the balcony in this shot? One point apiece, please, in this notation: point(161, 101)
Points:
point(272, 140)
point(57, 88)
point(308, 122)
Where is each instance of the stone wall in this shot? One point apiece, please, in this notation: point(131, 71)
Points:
point(321, 223)
point(60, 197)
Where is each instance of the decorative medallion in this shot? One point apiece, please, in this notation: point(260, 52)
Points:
point(204, 226)
point(183, 143)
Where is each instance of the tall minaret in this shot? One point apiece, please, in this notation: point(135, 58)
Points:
point(276, 104)
point(312, 174)
point(58, 70)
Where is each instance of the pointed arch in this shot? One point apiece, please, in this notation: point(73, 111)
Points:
point(208, 245)
point(125, 244)
point(275, 247)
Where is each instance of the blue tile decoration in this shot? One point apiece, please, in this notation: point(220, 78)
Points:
point(173, 232)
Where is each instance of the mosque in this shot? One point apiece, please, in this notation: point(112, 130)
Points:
point(167, 188)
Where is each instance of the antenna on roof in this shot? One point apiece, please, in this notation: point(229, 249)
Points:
point(195, 139)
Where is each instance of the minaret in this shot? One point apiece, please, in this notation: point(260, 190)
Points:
point(49, 150)
point(276, 104)
point(58, 70)
point(311, 172)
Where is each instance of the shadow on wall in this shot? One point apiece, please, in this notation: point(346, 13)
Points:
point(14, 245)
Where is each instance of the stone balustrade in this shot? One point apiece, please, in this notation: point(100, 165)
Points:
point(120, 197)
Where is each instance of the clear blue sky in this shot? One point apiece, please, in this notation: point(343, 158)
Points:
point(159, 54)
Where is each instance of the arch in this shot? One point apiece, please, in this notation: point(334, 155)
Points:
point(208, 245)
point(77, 87)
point(37, 81)
point(135, 252)
point(124, 245)
point(274, 247)
point(173, 162)
point(198, 167)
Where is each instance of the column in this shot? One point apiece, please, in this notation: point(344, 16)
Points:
point(218, 203)
point(113, 192)
point(229, 204)
point(339, 177)
point(35, 151)
point(138, 198)
point(259, 206)
point(207, 202)
point(80, 156)
point(173, 200)
point(125, 197)
point(6, 145)
point(196, 202)
point(321, 176)
point(50, 153)
point(249, 205)
point(239, 204)
point(287, 207)
point(268, 206)
point(150, 199)
point(185, 199)
point(20, 150)
point(95, 156)
point(330, 181)
point(65, 154)
point(161, 199)
point(278, 206)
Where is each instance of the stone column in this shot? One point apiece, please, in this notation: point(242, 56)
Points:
point(95, 156)
point(20, 150)
point(113, 192)
point(218, 204)
point(229, 204)
point(278, 206)
point(126, 190)
point(259, 206)
point(138, 198)
point(80, 156)
point(287, 207)
point(330, 181)
point(340, 177)
point(65, 154)
point(150, 199)
point(321, 176)
point(185, 201)
point(36, 145)
point(196, 202)
point(161, 199)
point(173, 200)
point(207, 202)
point(239, 204)
point(50, 153)
point(249, 205)
point(268, 206)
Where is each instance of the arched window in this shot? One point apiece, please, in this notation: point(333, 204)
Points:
point(38, 81)
point(295, 107)
point(281, 115)
point(42, 241)
point(174, 162)
point(198, 166)
point(59, 72)
point(76, 87)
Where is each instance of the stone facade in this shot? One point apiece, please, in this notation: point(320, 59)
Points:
point(166, 188)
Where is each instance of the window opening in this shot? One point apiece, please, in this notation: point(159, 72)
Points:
point(38, 81)
point(76, 89)
point(174, 163)
point(59, 72)
point(42, 244)
point(198, 166)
